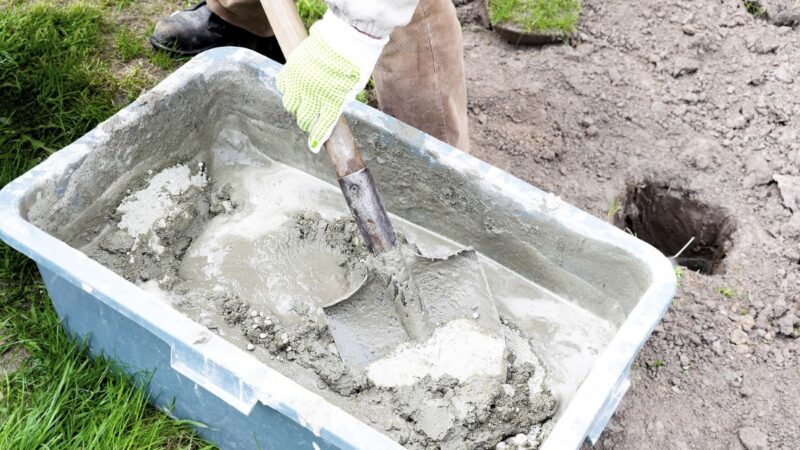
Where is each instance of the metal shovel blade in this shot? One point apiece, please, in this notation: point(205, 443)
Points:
point(365, 325)
point(455, 287)
point(373, 320)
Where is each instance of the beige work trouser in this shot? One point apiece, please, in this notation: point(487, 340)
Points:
point(420, 74)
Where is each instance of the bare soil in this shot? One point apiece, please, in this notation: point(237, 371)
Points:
point(687, 113)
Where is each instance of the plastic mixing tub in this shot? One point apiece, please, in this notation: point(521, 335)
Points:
point(199, 376)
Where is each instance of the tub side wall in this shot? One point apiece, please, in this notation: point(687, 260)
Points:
point(149, 359)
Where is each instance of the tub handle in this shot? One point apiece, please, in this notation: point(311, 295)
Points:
point(214, 378)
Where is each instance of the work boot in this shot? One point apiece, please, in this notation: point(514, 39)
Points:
point(197, 29)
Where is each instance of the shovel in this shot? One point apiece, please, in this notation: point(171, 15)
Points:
point(409, 294)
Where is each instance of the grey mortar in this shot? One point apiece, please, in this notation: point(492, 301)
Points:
point(430, 413)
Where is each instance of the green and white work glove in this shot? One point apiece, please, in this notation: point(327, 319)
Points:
point(325, 73)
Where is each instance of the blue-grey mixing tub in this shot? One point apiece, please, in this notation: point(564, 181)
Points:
point(243, 402)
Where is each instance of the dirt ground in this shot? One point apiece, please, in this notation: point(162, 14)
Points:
point(685, 112)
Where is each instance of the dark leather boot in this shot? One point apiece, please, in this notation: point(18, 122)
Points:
point(197, 29)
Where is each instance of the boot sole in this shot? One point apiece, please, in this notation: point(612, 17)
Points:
point(276, 57)
point(171, 50)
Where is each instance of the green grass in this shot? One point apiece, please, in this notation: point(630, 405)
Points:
point(52, 86)
point(117, 3)
point(129, 45)
point(62, 399)
point(134, 82)
point(311, 10)
point(165, 61)
point(60, 74)
point(548, 16)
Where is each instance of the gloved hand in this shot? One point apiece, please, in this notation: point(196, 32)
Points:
point(326, 72)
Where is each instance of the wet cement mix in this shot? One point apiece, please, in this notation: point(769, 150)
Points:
point(687, 111)
point(257, 269)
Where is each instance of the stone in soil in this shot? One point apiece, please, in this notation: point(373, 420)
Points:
point(790, 190)
point(753, 439)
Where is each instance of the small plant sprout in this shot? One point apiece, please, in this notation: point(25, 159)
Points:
point(678, 268)
point(755, 8)
point(679, 274)
point(726, 292)
point(616, 206)
point(311, 11)
point(657, 364)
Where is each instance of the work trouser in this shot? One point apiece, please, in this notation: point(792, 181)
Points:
point(420, 74)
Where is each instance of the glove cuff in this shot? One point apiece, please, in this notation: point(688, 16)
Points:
point(353, 45)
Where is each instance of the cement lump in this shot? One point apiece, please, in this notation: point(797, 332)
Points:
point(458, 349)
point(151, 229)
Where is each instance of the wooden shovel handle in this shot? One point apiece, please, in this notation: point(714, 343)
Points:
point(289, 29)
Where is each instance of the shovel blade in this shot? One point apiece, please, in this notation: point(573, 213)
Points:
point(373, 320)
point(365, 325)
point(455, 287)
